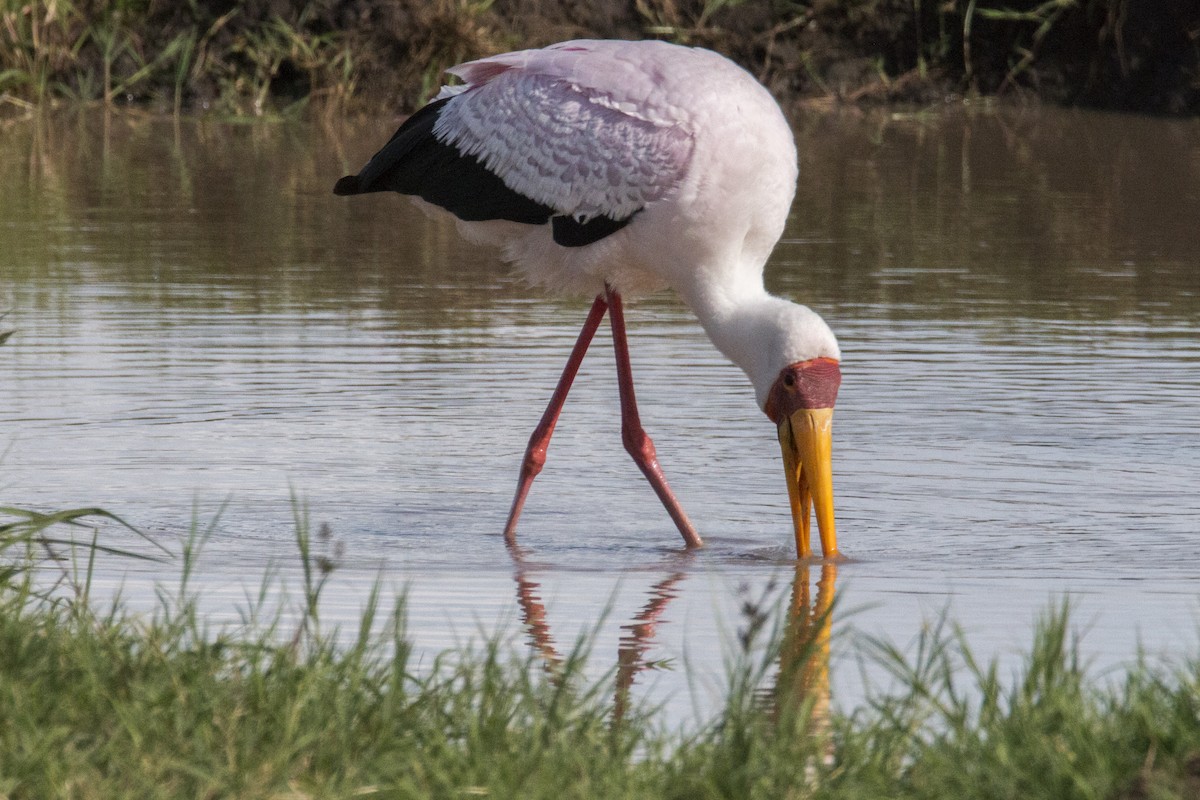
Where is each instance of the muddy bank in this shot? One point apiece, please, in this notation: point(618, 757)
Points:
point(385, 56)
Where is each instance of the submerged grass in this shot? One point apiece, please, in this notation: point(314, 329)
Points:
point(110, 703)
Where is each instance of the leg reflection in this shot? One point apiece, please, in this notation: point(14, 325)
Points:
point(533, 618)
point(636, 640)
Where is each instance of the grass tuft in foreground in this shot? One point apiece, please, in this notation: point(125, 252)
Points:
point(107, 703)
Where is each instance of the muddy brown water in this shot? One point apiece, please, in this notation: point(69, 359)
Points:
point(201, 329)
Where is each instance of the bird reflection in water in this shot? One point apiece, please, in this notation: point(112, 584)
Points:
point(801, 683)
point(637, 638)
point(635, 642)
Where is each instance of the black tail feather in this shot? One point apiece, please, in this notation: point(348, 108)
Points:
point(347, 185)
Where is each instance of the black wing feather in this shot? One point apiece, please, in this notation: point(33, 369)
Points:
point(414, 162)
point(570, 232)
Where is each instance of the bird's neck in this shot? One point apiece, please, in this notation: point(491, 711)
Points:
point(738, 320)
point(759, 332)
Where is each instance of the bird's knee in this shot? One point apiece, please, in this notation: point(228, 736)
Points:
point(535, 459)
point(639, 445)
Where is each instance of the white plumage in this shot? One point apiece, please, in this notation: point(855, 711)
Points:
point(624, 167)
point(631, 124)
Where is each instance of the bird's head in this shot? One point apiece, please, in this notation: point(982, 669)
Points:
point(800, 403)
point(793, 360)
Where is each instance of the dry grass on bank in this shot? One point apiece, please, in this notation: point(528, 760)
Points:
point(270, 57)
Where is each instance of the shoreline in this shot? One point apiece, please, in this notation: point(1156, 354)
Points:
point(372, 58)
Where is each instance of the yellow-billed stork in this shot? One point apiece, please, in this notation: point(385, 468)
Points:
point(613, 167)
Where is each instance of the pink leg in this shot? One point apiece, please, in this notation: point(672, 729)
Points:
point(637, 441)
point(535, 454)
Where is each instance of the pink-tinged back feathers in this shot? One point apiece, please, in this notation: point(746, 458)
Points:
point(586, 151)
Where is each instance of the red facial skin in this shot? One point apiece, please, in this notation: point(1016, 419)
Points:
point(805, 384)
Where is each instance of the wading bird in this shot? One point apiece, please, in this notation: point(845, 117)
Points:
point(612, 167)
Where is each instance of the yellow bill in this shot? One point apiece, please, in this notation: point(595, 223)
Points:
point(806, 438)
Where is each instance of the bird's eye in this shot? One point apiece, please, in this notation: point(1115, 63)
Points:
point(789, 380)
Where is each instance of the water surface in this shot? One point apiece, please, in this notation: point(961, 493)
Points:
point(203, 329)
